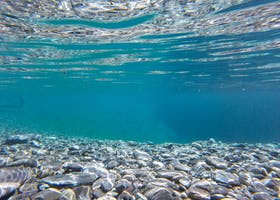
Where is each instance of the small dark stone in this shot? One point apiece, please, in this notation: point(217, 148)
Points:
point(159, 193)
point(122, 185)
point(261, 196)
point(49, 194)
point(82, 193)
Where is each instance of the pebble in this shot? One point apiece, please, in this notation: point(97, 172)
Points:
point(83, 169)
point(216, 162)
point(159, 193)
point(49, 194)
point(82, 193)
point(70, 180)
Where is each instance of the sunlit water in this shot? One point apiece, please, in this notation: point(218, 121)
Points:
point(161, 71)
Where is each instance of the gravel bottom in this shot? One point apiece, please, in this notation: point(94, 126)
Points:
point(43, 167)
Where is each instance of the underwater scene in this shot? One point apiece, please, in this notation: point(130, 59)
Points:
point(139, 100)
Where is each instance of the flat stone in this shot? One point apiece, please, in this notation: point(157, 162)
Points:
point(141, 155)
point(122, 185)
point(68, 194)
point(216, 162)
point(70, 180)
point(159, 193)
point(49, 194)
point(7, 189)
point(26, 162)
point(72, 167)
point(96, 168)
point(125, 196)
point(198, 193)
point(261, 196)
point(226, 178)
point(20, 139)
point(82, 193)
point(172, 174)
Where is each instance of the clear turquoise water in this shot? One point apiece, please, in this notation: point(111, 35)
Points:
point(212, 73)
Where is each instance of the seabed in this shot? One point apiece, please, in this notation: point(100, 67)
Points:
point(51, 167)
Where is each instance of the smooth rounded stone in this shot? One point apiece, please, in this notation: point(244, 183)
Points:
point(225, 178)
point(11, 178)
point(217, 197)
point(125, 196)
point(162, 182)
point(106, 197)
point(274, 163)
point(197, 145)
point(36, 144)
point(141, 155)
point(72, 167)
point(96, 168)
point(67, 194)
point(22, 196)
point(159, 193)
point(172, 174)
point(70, 180)
point(26, 162)
point(122, 185)
point(245, 179)
point(185, 181)
point(112, 164)
point(49, 194)
point(181, 167)
point(203, 184)
point(20, 139)
point(140, 196)
point(198, 193)
point(158, 165)
point(272, 183)
point(106, 184)
point(216, 162)
point(29, 187)
point(7, 189)
point(82, 193)
point(97, 192)
point(261, 196)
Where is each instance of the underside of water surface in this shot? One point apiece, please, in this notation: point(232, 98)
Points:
point(143, 70)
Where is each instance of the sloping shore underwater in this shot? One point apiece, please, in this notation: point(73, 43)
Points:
point(139, 100)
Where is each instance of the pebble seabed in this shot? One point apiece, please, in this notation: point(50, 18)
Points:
point(44, 167)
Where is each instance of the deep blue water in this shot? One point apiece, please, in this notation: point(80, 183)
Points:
point(212, 75)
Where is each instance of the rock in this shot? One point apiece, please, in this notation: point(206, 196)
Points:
point(125, 196)
point(29, 187)
point(96, 168)
point(70, 180)
point(11, 179)
point(185, 181)
point(49, 194)
point(26, 162)
point(122, 185)
point(216, 162)
point(112, 164)
point(141, 155)
point(159, 193)
point(106, 197)
point(198, 193)
point(158, 165)
point(225, 178)
point(68, 194)
point(140, 196)
point(7, 189)
point(72, 167)
point(172, 174)
point(178, 166)
point(97, 193)
point(82, 193)
point(20, 139)
point(261, 196)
